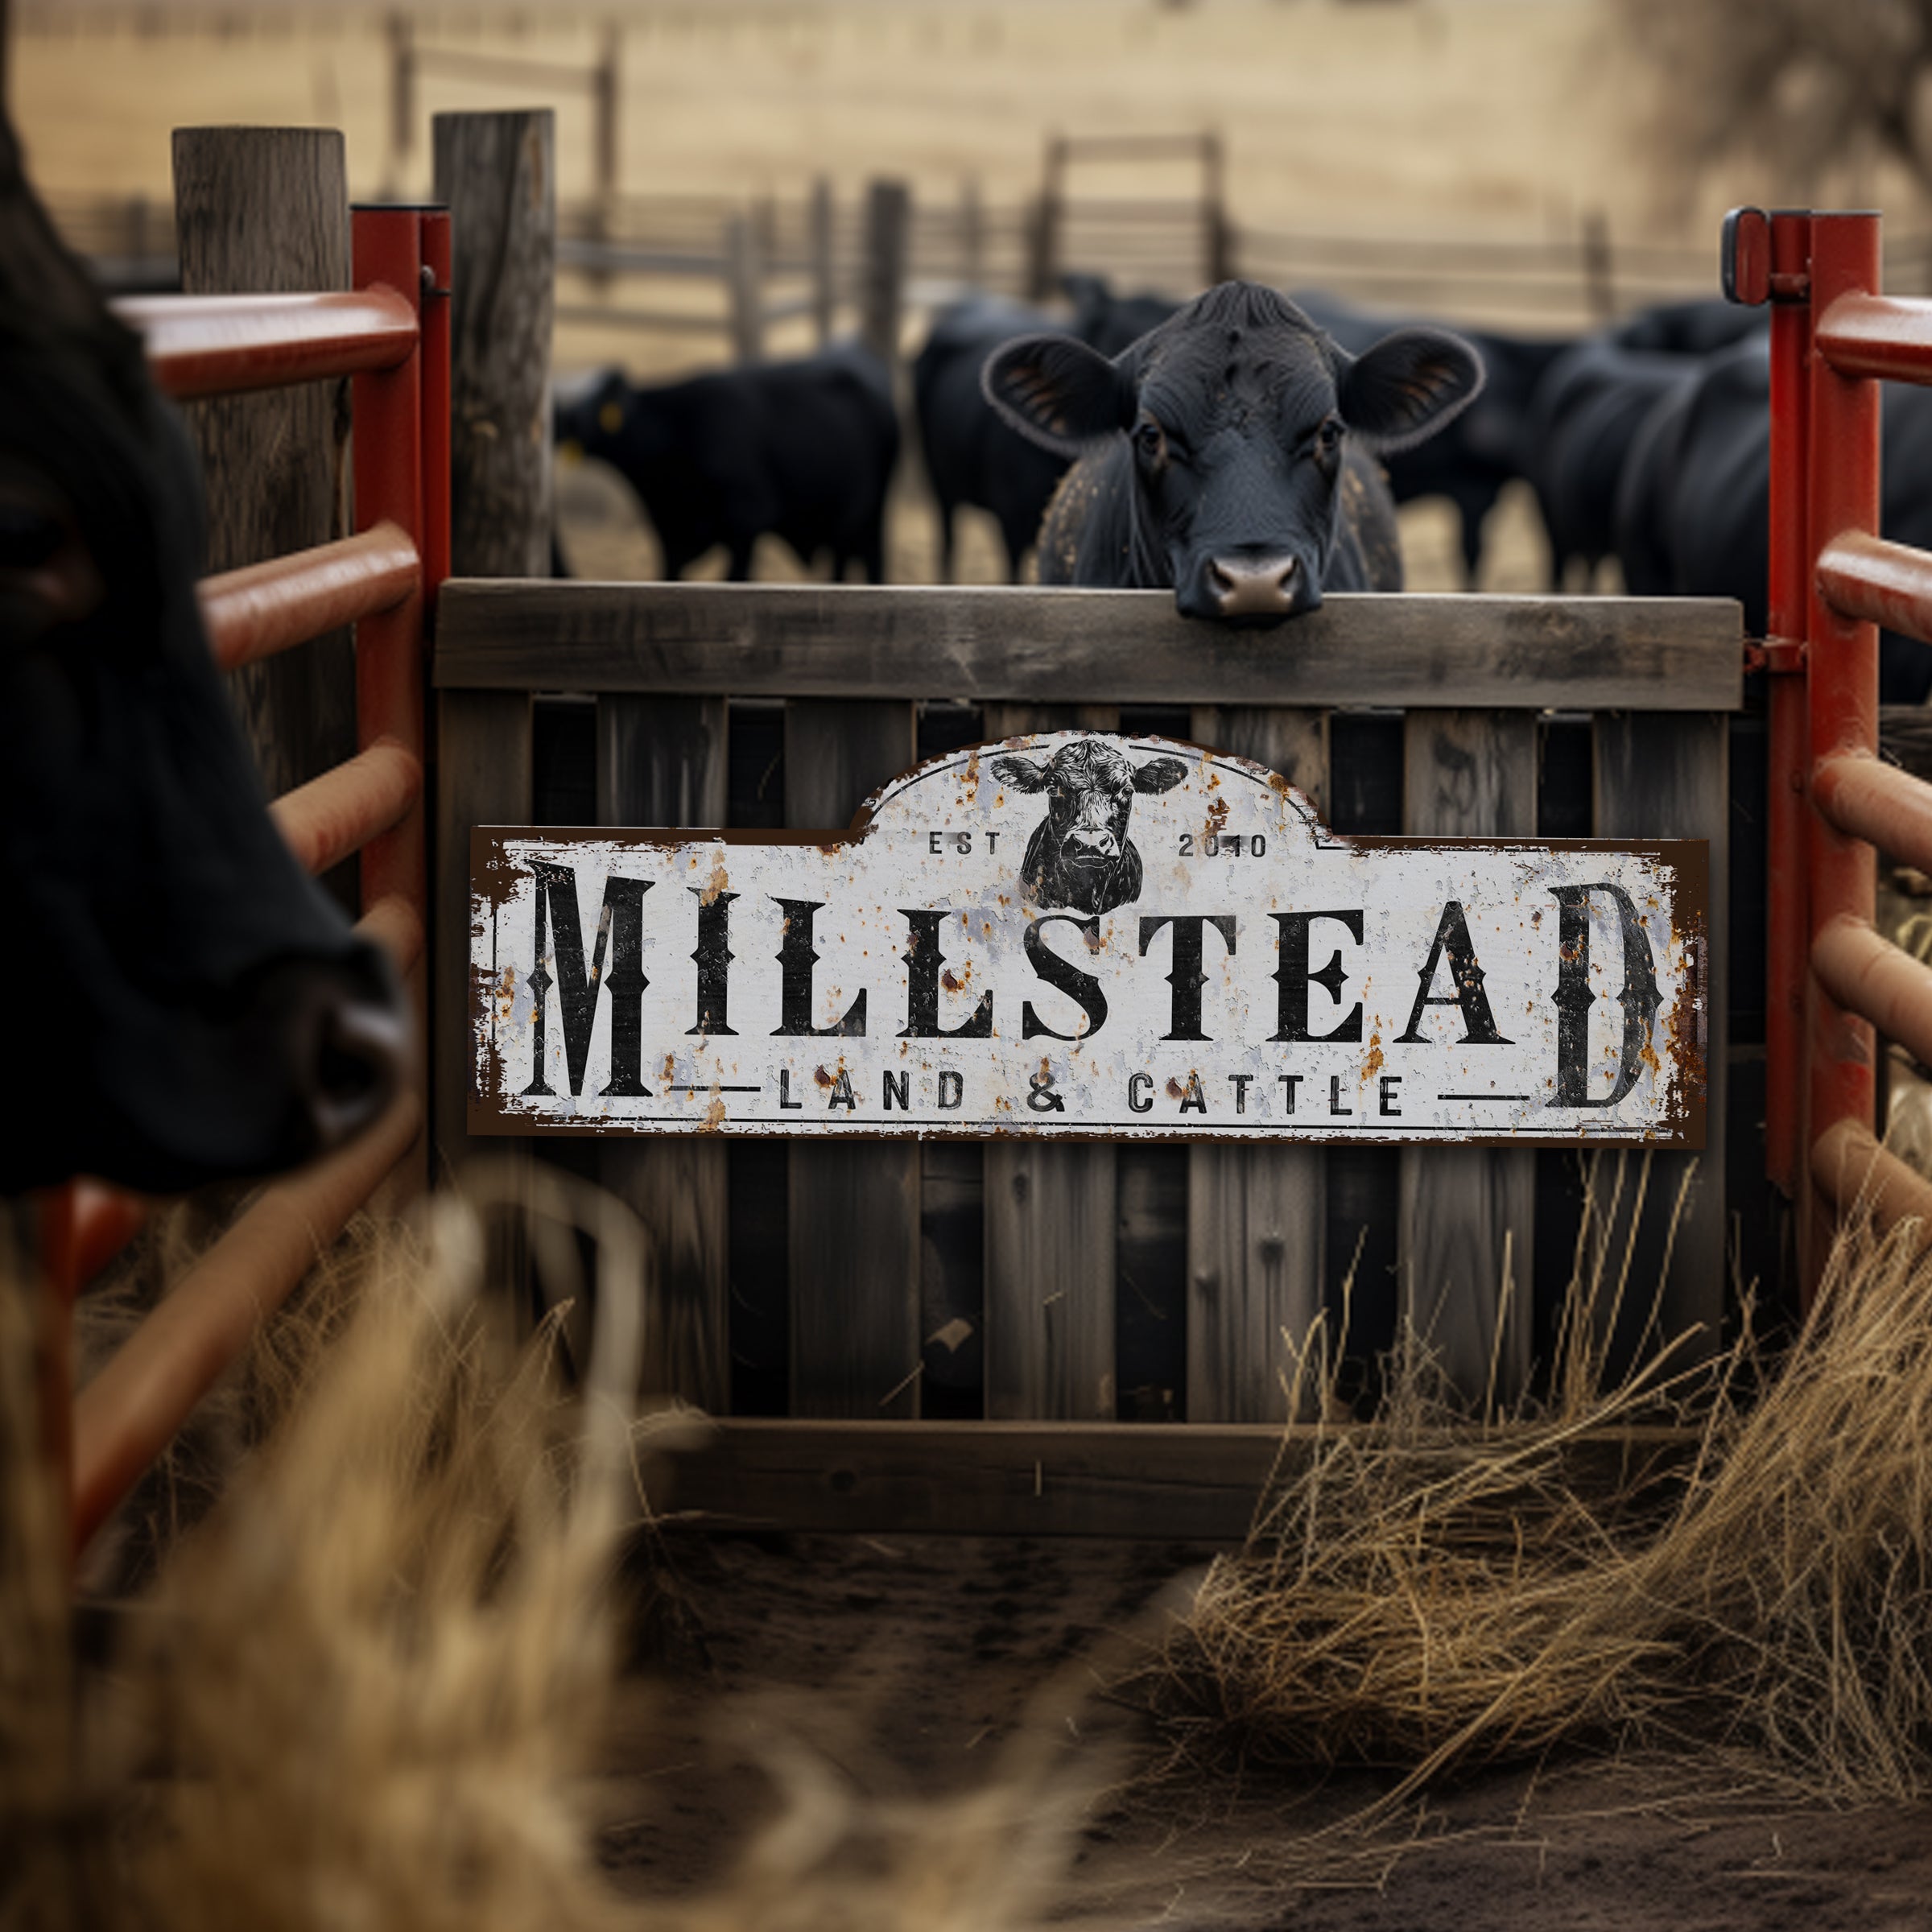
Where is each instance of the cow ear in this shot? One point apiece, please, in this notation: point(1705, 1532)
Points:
point(1022, 774)
point(1408, 386)
point(1058, 392)
point(1158, 775)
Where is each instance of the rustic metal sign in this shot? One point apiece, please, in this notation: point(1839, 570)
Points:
point(1083, 934)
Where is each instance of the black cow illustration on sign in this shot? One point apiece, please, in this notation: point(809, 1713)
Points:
point(1079, 854)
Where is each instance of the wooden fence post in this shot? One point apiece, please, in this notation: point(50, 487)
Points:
point(497, 173)
point(1217, 248)
point(972, 235)
point(825, 281)
point(1043, 239)
point(265, 211)
point(744, 285)
point(1600, 285)
point(883, 289)
point(402, 96)
point(606, 106)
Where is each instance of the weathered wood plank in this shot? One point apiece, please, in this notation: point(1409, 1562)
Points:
point(1049, 1281)
point(1257, 1216)
point(1660, 776)
point(854, 1245)
point(497, 172)
point(1072, 646)
point(1468, 1215)
point(264, 210)
point(483, 778)
point(1046, 1479)
point(1050, 1249)
point(661, 761)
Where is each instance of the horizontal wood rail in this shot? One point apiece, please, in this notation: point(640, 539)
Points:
point(330, 817)
point(127, 1415)
point(1851, 1170)
point(1868, 975)
point(1199, 1482)
point(1861, 576)
point(1865, 798)
point(270, 607)
point(212, 345)
point(1869, 335)
point(1070, 646)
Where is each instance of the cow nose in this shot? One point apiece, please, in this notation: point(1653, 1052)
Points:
point(1253, 587)
point(345, 1038)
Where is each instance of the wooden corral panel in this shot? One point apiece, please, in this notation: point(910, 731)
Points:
point(1056, 1289)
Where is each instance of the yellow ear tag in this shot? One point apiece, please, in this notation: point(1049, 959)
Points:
point(610, 418)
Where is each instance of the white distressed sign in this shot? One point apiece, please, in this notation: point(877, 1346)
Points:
point(1089, 935)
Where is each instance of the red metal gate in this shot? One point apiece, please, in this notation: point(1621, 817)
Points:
point(391, 335)
point(1831, 979)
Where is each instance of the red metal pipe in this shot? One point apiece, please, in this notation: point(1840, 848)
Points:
point(1861, 576)
point(1863, 798)
point(1788, 920)
point(267, 608)
point(212, 346)
point(347, 807)
point(391, 667)
point(1851, 1170)
point(129, 1412)
point(1842, 660)
point(388, 485)
point(435, 401)
point(1866, 974)
point(1861, 332)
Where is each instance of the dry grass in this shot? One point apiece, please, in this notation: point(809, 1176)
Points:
point(1429, 1600)
point(370, 1688)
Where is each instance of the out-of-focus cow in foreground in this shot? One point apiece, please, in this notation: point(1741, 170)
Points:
point(1230, 453)
point(186, 1004)
point(1079, 854)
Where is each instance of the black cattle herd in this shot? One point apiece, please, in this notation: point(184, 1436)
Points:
point(195, 1007)
point(1243, 449)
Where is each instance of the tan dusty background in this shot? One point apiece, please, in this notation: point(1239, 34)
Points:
point(1476, 118)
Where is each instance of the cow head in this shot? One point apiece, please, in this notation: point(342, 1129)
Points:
point(606, 417)
point(1080, 855)
point(185, 1003)
point(1236, 410)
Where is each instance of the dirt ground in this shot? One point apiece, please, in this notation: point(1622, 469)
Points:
point(902, 1667)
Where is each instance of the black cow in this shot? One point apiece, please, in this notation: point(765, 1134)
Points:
point(1700, 327)
point(1079, 854)
point(971, 455)
point(187, 1004)
point(1694, 508)
point(800, 450)
point(1489, 445)
point(1585, 416)
point(1230, 453)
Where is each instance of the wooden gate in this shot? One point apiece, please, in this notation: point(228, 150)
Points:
point(881, 1271)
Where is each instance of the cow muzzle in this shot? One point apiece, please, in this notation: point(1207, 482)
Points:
point(1253, 587)
point(1091, 847)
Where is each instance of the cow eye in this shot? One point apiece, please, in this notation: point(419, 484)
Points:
point(1150, 441)
point(1329, 435)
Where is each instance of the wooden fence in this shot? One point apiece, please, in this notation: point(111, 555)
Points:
point(1081, 1284)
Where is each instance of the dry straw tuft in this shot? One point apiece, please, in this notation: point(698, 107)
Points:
point(371, 1689)
point(1424, 1599)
